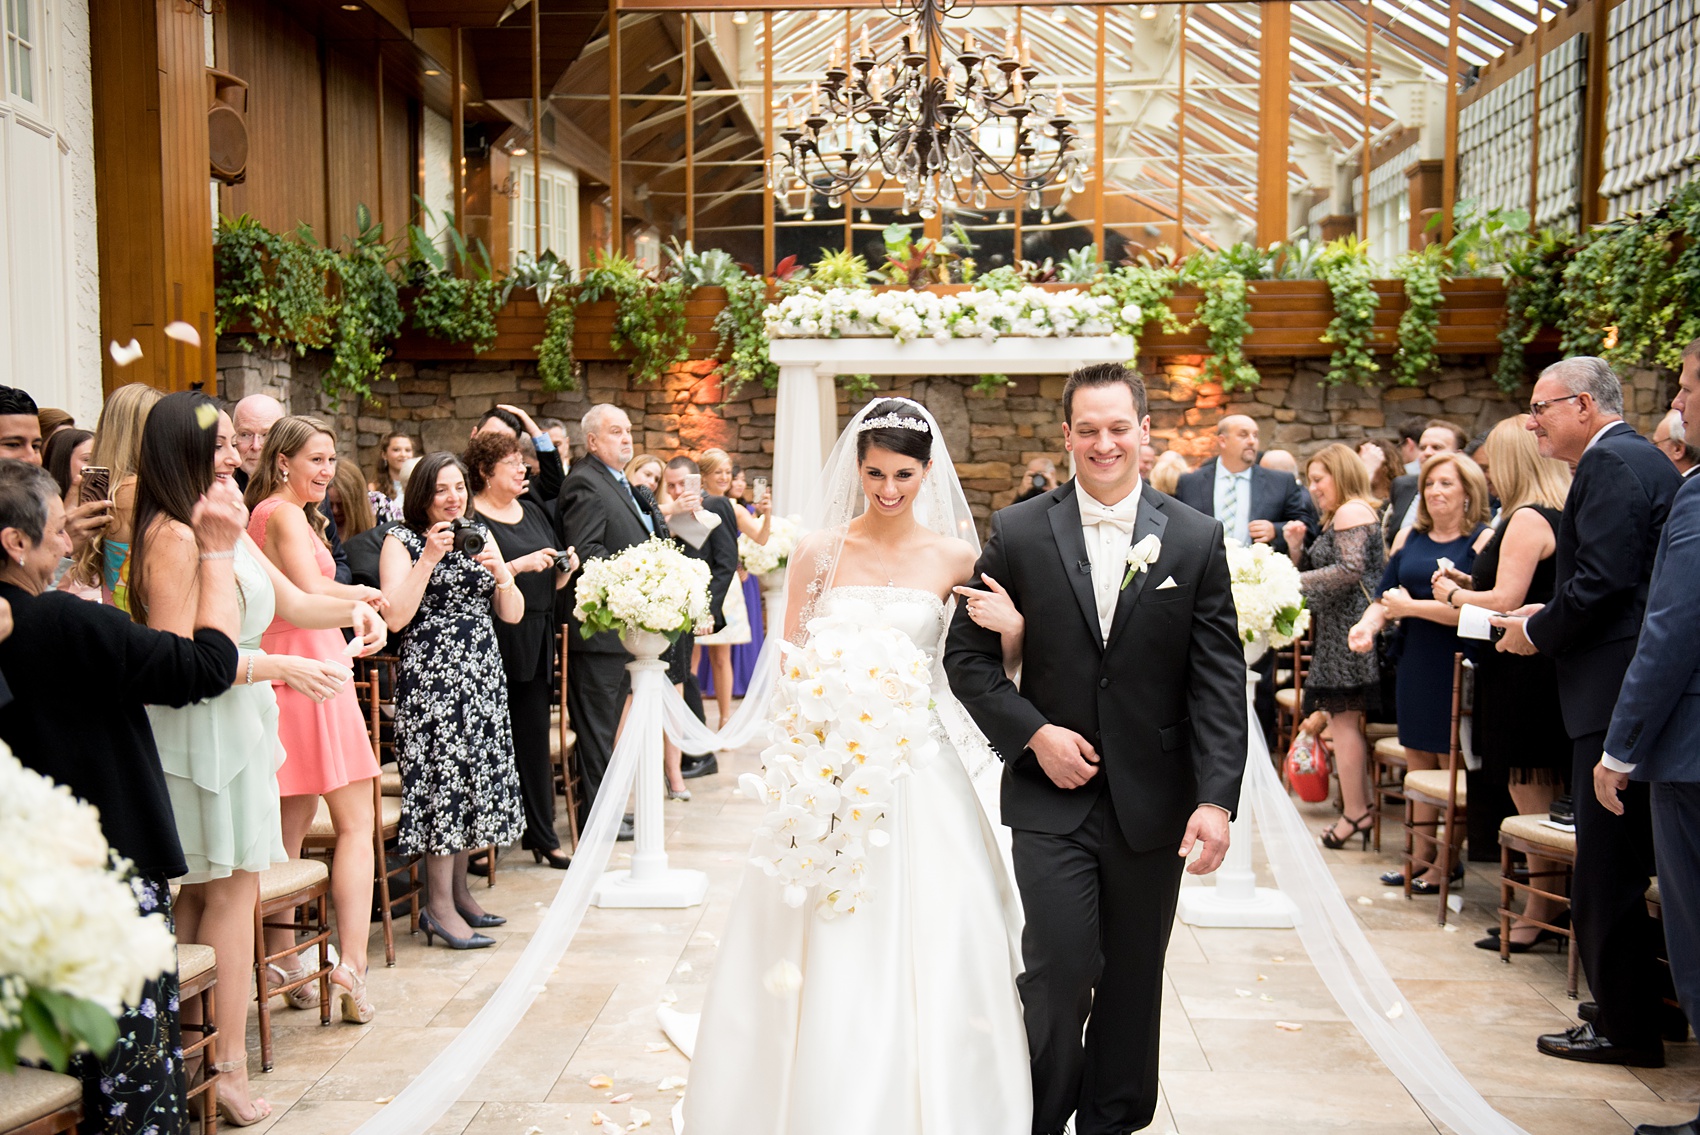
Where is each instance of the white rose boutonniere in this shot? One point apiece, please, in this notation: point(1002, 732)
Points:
point(1141, 556)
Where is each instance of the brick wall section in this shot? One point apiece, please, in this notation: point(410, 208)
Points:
point(992, 436)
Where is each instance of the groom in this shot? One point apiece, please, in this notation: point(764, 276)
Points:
point(1123, 747)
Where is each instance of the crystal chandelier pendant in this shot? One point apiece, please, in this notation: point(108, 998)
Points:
point(1077, 181)
point(1033, 199)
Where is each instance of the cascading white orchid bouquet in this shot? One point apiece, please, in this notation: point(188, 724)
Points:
point(1267, 598)
point(910, 315)
point(651, 586)
point(762, 559)
point(852, 718)
point(75, 947)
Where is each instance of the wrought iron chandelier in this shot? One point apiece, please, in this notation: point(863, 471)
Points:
point(954, 126)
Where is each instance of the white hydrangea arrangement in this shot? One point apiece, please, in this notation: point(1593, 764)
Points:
point(1271, 608)
point(651, 586)
point(763, 559)
point(75, 948)
point(852, 718)
point(909, 315)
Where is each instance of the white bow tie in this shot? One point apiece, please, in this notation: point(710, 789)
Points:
point(1121, 516)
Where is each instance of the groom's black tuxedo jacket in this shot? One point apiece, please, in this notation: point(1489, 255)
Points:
point(1163, 702)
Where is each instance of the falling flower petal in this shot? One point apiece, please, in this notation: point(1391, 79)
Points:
point(1288, 1026)
point(1265, 997)
point(183, 332)
point(623, 1097)
point(383, 1099)
point(1262, 977)
point(1397, 1011)
point(669, 997)
point(1365, 901)
point(600, 1082)
point(656, 1046)
point(125, 355)
point(597, 1119)
point(1455, 903)
point(640, 1118)
point(534, 1130)
point(1278, 958)
point(206, 416)
point(1242, 993)
point(671, 1084)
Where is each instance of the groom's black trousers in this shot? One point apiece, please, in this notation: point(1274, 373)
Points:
point(1098, 920)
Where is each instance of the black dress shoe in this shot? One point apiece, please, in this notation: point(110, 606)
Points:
point(1692, 1127)
point(692, 767)
point(627, 832)
point(1673, 1024)
point(1581, 1043)
point(479, 864)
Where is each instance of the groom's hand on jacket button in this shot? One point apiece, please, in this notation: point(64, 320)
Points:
point(1209, 826)
point(1067, 758)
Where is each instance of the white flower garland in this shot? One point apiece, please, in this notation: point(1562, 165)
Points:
point(760, 559)
point(852, 718)
point(1267, 597)
point(909, 315)
point(651, 586)
point(69, 923)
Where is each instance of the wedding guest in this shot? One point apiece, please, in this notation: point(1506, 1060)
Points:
point(598, 514)
point(718, 549)
point(1450, 516)
point(545, 487)
point(715, 675)
point(20, 427)
point(1166, 474)
point(1438, 436)
point(1280, 461)
point(1147, 460)
point(220, 755)
point(51, 420)
point(558, 436)
point(1672, 440)
point(327, 739)
point(1253, 503)
point(395, 451)
point(117, 446)
point(1335, 571)
point(1613, 519)
point(452, 738)
point(254, 417)
point(102, 749)
point(744, 657)
point(1517, 727)
point(1039, 479)
point(64, 457)
point(525, 539)
point(644, 471)
point(1381, 458)
point(1410, 447)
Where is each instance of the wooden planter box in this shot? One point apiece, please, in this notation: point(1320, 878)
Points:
point(520, 326)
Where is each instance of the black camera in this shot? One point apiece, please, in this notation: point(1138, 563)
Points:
point(563, 561)
point(1039, 481)
point(468, 537)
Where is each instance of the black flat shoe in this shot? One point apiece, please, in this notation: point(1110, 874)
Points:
point(480, 921)
point(1692, 1127)
point(692, 767)
point(557, 858)
point(1491, 942)
point(470, 942)
point(1583, 1044)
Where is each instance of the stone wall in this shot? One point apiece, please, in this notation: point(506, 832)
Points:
point(992, 436)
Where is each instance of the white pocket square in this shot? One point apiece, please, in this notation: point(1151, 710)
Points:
point(1167, 583)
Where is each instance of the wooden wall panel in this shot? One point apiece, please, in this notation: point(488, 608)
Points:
point(401, 164)
point(351, 136)
point(279, 59)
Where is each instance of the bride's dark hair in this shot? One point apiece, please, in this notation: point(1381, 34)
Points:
point(900, 439)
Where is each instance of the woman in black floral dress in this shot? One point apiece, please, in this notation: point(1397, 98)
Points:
point(460, 789)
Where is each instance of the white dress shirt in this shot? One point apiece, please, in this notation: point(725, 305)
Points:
point(1108, 530)
point(1238, 525)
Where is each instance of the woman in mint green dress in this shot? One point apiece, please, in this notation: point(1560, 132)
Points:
point(221, 755)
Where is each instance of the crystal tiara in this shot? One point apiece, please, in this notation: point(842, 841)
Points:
point(887, 421)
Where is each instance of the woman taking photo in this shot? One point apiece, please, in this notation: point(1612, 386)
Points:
point(460, 789)
point(1517, 728)
point(1452, 504)
point(716, 677)
point(221, 755)
point(524, 537)
point(1334, 578)
point(117, 445)
point(329, 746)
point(102, 749)
point(395, 452)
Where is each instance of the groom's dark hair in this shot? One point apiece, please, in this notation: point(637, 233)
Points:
point(1104, 374)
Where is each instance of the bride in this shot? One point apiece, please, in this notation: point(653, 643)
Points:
point(900, 1017)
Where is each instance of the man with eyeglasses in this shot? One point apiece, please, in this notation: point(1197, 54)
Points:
point(1613, 519)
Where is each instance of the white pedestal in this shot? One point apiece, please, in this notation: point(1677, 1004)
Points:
point(649, 882)
point(1235, 899)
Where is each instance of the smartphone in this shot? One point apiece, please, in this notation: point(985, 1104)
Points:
point(760, 490)
point(96, 484)
point(693, 483)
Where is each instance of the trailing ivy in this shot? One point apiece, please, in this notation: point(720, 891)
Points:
point(1345, 267)
point(743, 335)
point(368, 313)
point(649, 317)
point(273, 283)
point(454, 308)
point(1534, 298)
point(1423, 270)
point(555, 363)
point(1146, 286)
point(1225, 310)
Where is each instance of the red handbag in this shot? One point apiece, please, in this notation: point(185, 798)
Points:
point(1307, 768)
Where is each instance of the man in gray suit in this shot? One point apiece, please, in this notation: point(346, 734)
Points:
point(1655, 729)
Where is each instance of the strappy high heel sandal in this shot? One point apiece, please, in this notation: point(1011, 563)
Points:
point(355, 1007)
point(227, 1112)
point(1360, 826)
point(301, 997)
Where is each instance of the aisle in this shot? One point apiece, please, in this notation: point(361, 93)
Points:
point(1226, 1066)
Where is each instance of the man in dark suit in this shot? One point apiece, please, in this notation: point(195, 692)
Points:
point(598, 515)
point(1125, 743)
point(1613, 518)
point(720, 552)
point(1251, 502)
point(1655, 731)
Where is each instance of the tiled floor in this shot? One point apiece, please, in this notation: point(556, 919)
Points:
point(1225, 1066)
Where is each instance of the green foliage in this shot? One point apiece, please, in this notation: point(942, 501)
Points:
point(1483, 240)
point(1225, 310)
point(1423, 270)
point(1534, 298)
point(368, 312)
point(693, 269)
point(454, 308)
point(989, 384)
point(555, 363)
point(944, 261)
point(545, 275)
point(1146, 285)
point(839, 269)
point(1080, 266)
point(1345, 267)
point(649, 315)
point(743, 336)
point(60, 1025)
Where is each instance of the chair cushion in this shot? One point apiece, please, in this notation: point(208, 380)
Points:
point(389, 781)
point(34, 1092)
point(1431, 783)
point(1287, 699)
point(569, 740)
point(193, 960)
point(288, 878)
point(322, 828)
point(1653, 893)
point(1376, 730)
point(1389, 749)
point(1531, 830)
point(391, 815)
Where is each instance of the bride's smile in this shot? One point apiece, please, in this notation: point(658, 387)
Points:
point(890, 480)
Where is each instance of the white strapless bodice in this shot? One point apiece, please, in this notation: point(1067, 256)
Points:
point(918, 614)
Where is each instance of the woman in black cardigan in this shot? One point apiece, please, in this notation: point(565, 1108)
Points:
point(80, 674)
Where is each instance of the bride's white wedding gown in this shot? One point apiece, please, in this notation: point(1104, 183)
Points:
point(901, 1018)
